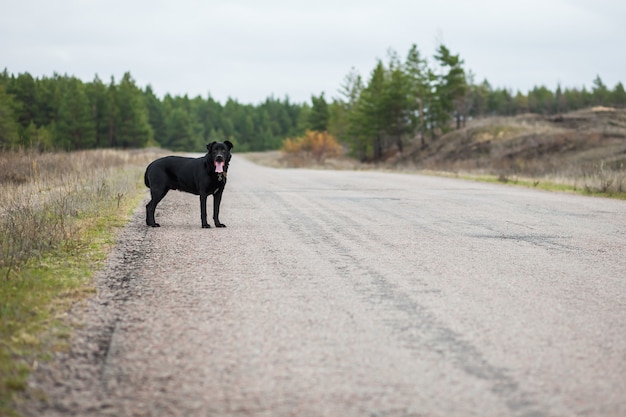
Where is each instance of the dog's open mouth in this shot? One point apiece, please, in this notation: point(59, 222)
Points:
point(219, 167)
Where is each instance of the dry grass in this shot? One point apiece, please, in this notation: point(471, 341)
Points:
point(44, 196)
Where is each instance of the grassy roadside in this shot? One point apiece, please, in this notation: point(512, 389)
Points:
point(589, 185)
point(40, 282)
point(566, 186)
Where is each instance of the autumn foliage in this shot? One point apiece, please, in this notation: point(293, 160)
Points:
point(313, 145)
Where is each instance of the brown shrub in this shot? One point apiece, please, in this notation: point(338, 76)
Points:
point(313, 145)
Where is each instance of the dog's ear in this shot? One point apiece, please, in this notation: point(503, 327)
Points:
point(209, 146)
point(229, 144)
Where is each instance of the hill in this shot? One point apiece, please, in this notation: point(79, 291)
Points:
point(585, 148)
point(529, 144)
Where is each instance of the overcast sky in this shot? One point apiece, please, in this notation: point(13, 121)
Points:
point(252, 49)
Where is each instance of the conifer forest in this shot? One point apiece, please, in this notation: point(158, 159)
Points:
point(404, 99)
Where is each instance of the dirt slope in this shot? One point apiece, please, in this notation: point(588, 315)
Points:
point(530, 145)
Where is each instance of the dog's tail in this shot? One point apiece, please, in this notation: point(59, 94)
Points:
point(145, 178)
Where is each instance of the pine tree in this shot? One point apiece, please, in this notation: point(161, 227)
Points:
point(396, 101)
point(8, 124)
point(541, 100)
point(133, 129)
point(342, 110)
point(156, 115)
point(521, 103)
point(418, 91)
point(98, 100)
point(618, 96)
point(371, 111)
point(180, 135)
point(111, 115)
point(501, 102)
point(75, 127)
point(318, 118)
point(560, 100)
point(201, 114)
point(23, 89)
point(47, 100)
point(451, 86)
point(600, 92)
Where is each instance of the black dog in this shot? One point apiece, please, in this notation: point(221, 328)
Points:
point(200, 176)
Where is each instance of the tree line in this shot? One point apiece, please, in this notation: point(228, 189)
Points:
point(403, 100)
point(63, 112)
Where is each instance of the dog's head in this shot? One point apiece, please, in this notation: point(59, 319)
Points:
point(218, 156)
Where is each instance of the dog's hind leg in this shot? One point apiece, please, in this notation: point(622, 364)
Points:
point(157, 196)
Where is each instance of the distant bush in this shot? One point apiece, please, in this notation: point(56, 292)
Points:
point(313, 145)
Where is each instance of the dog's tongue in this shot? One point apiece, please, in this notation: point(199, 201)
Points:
point(219, 167)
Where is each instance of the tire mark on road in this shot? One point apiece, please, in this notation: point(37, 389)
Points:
point(416, 326)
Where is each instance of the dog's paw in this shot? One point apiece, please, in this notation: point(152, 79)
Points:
point(154, 225)
point(206, 226)
point(220, 225)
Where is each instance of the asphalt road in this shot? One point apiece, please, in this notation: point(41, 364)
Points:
point(337, 293)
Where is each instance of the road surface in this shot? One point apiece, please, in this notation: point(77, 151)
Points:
point(337, 293)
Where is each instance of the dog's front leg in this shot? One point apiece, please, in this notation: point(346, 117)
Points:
point(205, 224)
point(217, 199)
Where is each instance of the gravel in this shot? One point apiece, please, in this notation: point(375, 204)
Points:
point(350, 294)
